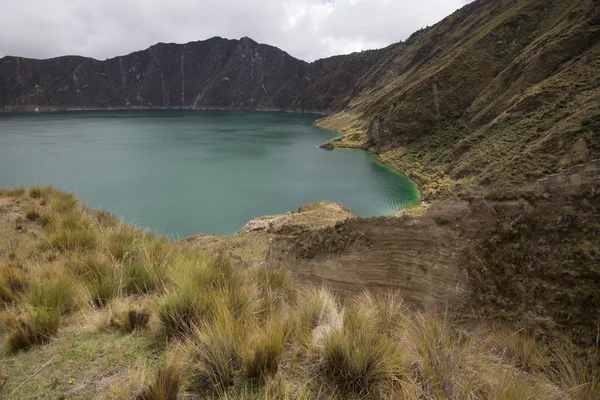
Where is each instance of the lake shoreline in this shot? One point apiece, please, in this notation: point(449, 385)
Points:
point(188, 155)
point(28, 109)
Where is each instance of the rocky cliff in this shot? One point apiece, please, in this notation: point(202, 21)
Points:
point(212, 73)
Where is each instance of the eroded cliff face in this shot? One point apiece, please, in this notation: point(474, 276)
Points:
point(212, 73)
point(531, 260)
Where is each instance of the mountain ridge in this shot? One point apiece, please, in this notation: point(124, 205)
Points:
point(218, 72)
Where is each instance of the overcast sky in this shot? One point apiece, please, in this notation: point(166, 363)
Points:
point(307, 29)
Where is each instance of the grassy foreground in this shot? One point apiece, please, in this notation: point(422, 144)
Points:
point(91, 307)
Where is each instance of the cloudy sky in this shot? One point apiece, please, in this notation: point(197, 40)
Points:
point(307, 29)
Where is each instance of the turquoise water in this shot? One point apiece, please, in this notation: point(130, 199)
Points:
point(180, 172)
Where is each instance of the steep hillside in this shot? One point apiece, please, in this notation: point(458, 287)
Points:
point(498, 94)
point(93, 308)
point(212, 73)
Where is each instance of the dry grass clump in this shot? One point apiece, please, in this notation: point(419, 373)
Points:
point(70, 232)
point(168, 382)
point(59, 292)
point(142, 383)
point(215, 350)
point(130, 319)
point(357, 358)
point(13, 282)
point(261, 356)
point(102, 277)
point(13, 192)
point(444, 363)
point(577, 374)
point(248, 332)
point(29, 326)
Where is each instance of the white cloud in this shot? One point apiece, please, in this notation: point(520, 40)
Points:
point(307, 29)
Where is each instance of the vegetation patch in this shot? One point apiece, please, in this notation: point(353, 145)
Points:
point(331, 240)
point(542, 268)
point(241, 332)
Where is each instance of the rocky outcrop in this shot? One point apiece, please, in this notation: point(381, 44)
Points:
point(431, 256)
point(215, 73)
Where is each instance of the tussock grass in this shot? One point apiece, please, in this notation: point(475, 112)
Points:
point(215, 352)
point(131, 319)
point(317, 312)
point(145, 268)
point(519, 348)
point(356, 358)
point(120, 241)
point(276, 288)
point(30, 326)
point(103, 277)
point(35, 192)
point(507, 383)
point(446, 364)
point(180, 310)
point(133, 386)
point(262, 354)
point(59, 292)
point(578, 374)
point(13, 282)
point(248, 332)
point(168, 382)
point(13, 192)
point(61, 201)
point(69, 232)
point(32, 215)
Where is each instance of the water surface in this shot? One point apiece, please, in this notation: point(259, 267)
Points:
point(180, 172)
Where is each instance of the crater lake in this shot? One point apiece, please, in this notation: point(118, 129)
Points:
point(179, 172)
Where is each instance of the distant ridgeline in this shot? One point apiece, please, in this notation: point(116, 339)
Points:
point(213, 73)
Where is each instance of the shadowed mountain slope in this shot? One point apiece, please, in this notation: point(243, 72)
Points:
point(498, 94)
point(212, 73)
